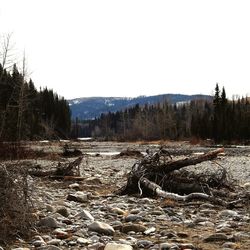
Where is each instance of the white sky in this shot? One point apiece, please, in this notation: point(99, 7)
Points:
point(132, 47)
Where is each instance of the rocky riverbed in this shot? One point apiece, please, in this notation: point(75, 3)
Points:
point(87, 215)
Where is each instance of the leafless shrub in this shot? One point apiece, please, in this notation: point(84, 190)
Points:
point(15, 203)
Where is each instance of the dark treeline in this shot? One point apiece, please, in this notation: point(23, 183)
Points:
point(220, 119)
point(26, 113)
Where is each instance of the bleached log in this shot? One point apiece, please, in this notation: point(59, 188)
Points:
point(157, 190)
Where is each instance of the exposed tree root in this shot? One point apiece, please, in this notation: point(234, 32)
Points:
point(157, 171)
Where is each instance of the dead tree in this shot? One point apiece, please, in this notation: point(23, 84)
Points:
point(154, 169)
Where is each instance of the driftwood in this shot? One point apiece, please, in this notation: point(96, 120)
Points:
point(149, 175)
point(172, 196)
point(61, 171)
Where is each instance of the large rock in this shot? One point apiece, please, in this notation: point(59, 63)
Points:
point(115, 246)
point(102, 228)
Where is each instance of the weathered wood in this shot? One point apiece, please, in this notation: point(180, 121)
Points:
point(68, 170)
point(161, 165)
point(178, 164)
point(40, 173)
point(157, 190)
point(61, 171)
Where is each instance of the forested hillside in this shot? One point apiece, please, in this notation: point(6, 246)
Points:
point(219, 119)
point(26, 113)
point(89, 108)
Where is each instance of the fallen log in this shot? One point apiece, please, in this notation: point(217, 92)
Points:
point(157, 190)
point(148, 175)
point(178, 164)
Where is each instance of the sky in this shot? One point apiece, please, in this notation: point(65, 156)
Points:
point(133, 47)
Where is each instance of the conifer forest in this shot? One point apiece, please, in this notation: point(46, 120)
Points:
point(220, 119)
point(29, 114)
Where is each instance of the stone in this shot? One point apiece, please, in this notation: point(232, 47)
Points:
point(133, 217)
point(231, 245)
point(216, 237)
point(63, 211)
point(102, 228)
point(157, 212)
point(182, 235)
point(94, 238)
point(61, 234)
point(246, 185)
point(85, 215)
point(187, 246)
point(228, 213)
point(242, 236)
point(116, 246)
point(166, 246)
point(78, 197)
point(144, 244)
point(72, 243)
point(96, 246)
point(49, 247)
point(48, 222)
point(50, 208)
point(38, 243)
point(54, 242)
point(74, 186)
point(135, 211)
point(133, 227)
point(150, 230)
point(83, 241)
point(118, 211)
point(206, 224)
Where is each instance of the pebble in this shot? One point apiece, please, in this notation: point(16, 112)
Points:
point(48, 222)
point(168, 246)
point(83, 241)
point(230, 245)
point(133, 227)
point(78, 197)
point(150, 230)
point(74, 186)
point(144, 243)
point(55, 242)
point(133, 217)
point(116, 246)
point(51, 247)
point(101, 227)
point(118, 210)
point(61, 234)
point(84, 214)
point(63, 211)
point(228, 213)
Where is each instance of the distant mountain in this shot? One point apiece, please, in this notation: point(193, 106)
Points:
point(91, 107)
